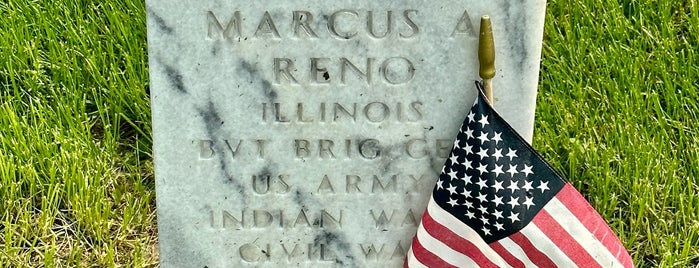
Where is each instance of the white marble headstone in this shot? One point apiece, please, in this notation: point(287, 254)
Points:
point(310, 133)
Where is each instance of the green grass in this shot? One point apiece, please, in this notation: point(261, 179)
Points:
point(617, 115)
point(76, 183)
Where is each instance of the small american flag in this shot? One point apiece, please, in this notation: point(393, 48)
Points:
point(497, 203)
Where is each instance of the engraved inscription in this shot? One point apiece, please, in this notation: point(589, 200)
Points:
point(373, 184)
point(394, 218)
point(372, 112)
point(324, 71)
point(326, 149)
point(266, 27)
point(256, 252)
point(280, 218)
point(385, 252)
point(310, 252)
point(291, 201)
point(234, 147)
point(464, 26)
point(368, 149)
point(343, 24)
point(301, 23)
point(266, 184)
point(230, 31)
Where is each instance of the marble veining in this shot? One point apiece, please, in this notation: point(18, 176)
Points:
point(255, 76)
point(175, 79)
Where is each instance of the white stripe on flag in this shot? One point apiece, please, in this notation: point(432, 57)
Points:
point(546, 246)
point(464, 231)
point(577, 230)
point(445, 252)
point(412, 261)
point(516, 251)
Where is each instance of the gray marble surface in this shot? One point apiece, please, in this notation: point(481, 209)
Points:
point(311, 134)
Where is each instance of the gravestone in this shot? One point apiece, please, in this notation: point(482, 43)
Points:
point(292, 133)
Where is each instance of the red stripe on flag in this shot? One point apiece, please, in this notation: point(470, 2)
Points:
point(567, 243)
point(426, 257)
point(506, 255)
point(589, 217)
point(454, 241)
point(535, 255)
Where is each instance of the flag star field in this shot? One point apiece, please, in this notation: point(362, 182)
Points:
point(497, 203)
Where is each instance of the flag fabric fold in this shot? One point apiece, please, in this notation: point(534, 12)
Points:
point(497, 203)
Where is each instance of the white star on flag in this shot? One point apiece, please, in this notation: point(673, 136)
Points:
point(511, 153)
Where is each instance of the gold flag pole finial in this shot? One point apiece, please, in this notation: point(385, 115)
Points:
point(486, 56)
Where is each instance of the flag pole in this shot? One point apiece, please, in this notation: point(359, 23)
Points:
point(486, 57)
